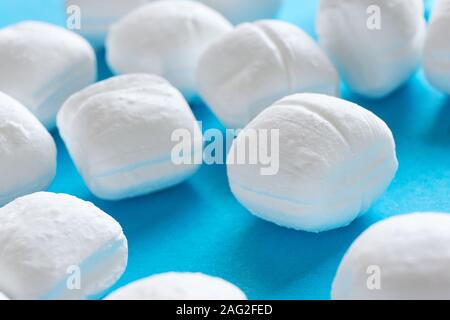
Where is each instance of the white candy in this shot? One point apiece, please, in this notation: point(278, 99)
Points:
point(3, 297)
point(238, 11)
point(96, 19)
point(404, 257)
point(437, 47)
point(335, 160)
point(27, 152)
point(375, 44)
point(165, 38)
point(179, 286)
point(259, 63)
point(42, 64)
point(98, 15)
point(55, 246)
point(119, 134)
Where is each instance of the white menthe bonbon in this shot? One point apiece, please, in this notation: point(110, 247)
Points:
point(96, 16)
point(179, 286)
point(119, 134)
point(402, 258)
point(45, 238)
point(375, 44)
point(258, 63)
point(95, 20)
point(437, 47)
point(336, 159)
point(165, 38)
point(238, 11)
point(42, 64)
point(3, 296)
point(27, 152)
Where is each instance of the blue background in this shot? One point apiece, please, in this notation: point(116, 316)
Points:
point(199, 226)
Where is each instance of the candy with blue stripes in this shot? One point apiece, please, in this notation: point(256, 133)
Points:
point(178, 286)
point(119, 134)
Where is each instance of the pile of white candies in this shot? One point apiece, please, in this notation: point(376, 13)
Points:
point(336, 158)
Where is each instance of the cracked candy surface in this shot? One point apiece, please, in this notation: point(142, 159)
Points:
point(335, 160)
point(258, 63)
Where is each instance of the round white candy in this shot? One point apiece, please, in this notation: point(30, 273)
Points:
point(238, 11)
point(404, 257)
point(179, 286)
point(27, 152)
point(119, 134)
point(165, 38)
point(334, 159)
point(42, 64)
point(95, 21)
point(259, 63)
point(56, 246)
point(96, 16)
point(437, 47)
point(375, 44)
point(3, 296)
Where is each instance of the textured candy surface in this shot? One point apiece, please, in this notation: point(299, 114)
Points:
point(375, 44)
point(405, 257)
point(27, 152)
point(258, 63)
point(165, 38)
point(437, 47)
point(179, 286)
point(119, 134)
point(41, 65)
point(96, 19)
point(47, 239)
point(98, 15)
point(335, 160)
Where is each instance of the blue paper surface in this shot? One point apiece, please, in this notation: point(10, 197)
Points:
point(199, 226)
